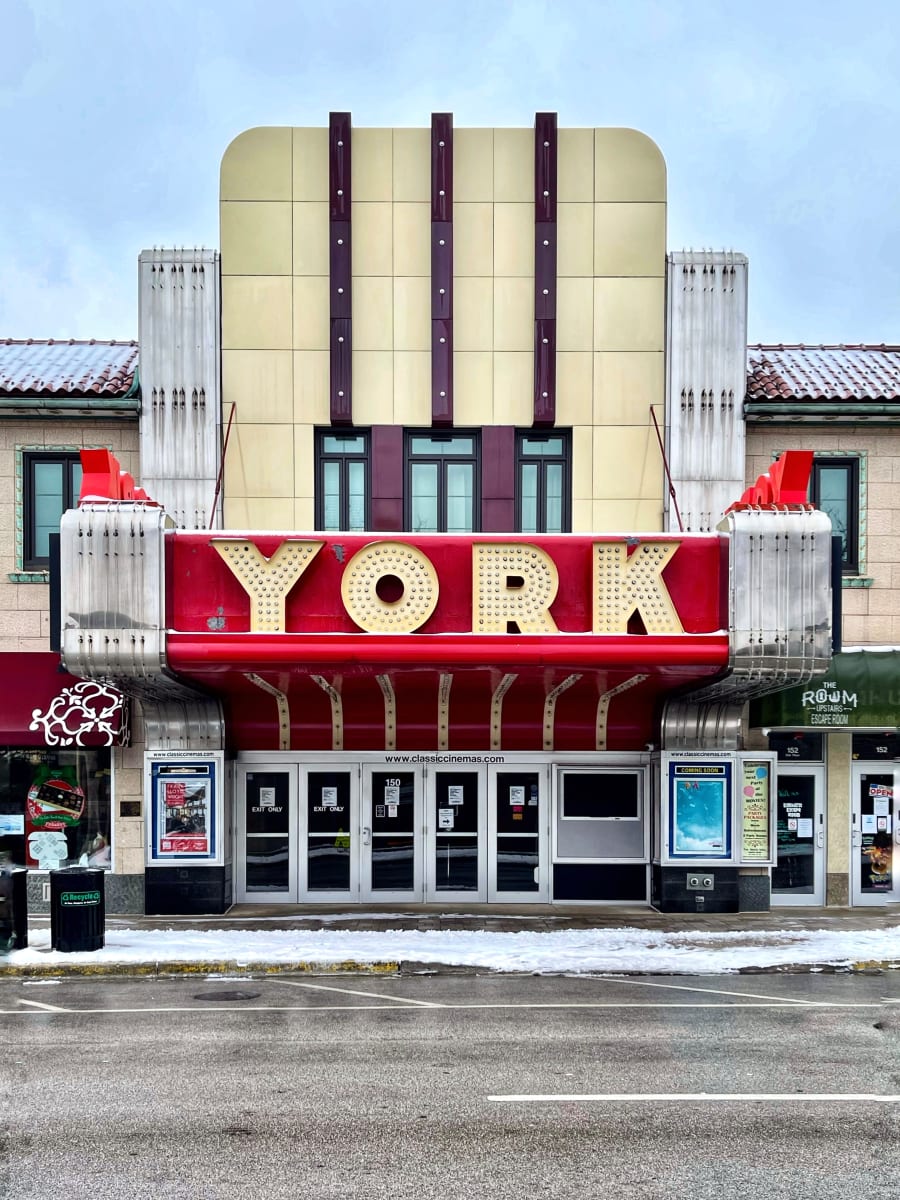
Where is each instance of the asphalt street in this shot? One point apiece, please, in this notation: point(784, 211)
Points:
point(451, 1086)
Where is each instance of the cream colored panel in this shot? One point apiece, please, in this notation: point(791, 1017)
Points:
point(513, 389)
point(574, 314)
point(582, 516)
point(372, 164)
point(574, 388)
point(373, 308)
point(473, 314)
point(304, 514)
point(412, 313)
point(311, 239)
point(312, 402)
point(627, 166)
point(473, 388)
point(260, 383)
point(629, 239)
point(260, 460)
point(582, 462)
point(256, 238)
point(412, 239)
point(575, 165)
point(311, 312)
point(256, 312)
point(412, 164)
point(473, 164)
point(514, 239)
point(372, 239)
point(513, 314)
point(412, 387)
point(304, 461)
point(514, 164)
point(373, 387)
point(252, 512)
point(257, 166)
point(310, 167)
point(627, 516)
point(628, 314)
point(473, 239)
point(575, 239)
point(626, 385)
point(627, 462)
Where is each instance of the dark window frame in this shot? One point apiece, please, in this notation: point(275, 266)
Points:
point(31, 560)
point(541, 461)
point(410, 459)
point(323, 457)
point(850, 463)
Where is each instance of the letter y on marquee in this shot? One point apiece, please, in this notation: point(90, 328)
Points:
point(267, 581)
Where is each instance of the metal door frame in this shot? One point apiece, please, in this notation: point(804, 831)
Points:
point(345, 766)
point(816, 898)
point(543, 772)
point(432, 894)
point(268, 767)
point(417, 894)
point(858, 899)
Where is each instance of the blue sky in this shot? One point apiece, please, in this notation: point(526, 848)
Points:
point(779, 123)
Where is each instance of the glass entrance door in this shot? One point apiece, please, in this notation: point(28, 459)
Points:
point(390, 852)
point(798, 876)
point(266, 852)
point(518, 834)
point(875, 836)
point(456, 857)
point(329, 834)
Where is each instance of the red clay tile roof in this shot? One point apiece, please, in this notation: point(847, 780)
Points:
point(776, 373)
point(46, 368)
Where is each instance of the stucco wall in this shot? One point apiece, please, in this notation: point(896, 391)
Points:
point(610, 314)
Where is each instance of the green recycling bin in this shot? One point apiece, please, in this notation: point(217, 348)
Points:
point(77, 909)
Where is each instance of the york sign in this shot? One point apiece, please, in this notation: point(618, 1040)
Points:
point(393, 585)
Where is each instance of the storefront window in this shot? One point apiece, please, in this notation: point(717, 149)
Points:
point(55, 807)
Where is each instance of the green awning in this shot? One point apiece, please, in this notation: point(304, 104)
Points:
point(860, 691)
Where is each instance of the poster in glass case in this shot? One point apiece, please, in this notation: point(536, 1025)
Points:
point(700, 810)
point(183, 815)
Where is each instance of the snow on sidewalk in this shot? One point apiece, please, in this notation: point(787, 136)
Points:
point(592, 950)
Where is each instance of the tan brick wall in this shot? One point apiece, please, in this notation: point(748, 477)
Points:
point(871, 614)
point(24, 620)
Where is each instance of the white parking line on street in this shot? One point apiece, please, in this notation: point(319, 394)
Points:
point(416, 1006)
point(324, 987)
point(44, 1007)
point(682, 987)
point(702, 1097)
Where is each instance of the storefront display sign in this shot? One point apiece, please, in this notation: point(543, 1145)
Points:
point(755, 812)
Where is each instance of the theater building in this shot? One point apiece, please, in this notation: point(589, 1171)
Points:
point(429, 592)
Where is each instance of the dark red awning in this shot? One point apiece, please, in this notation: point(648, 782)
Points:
point(43, 705)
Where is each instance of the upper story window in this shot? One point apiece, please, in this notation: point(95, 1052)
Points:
point(342, 483)
point(442, 494)
point(542, 482)
point(834, 488)
point(51, 483)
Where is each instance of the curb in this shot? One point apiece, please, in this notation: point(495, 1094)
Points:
point(231, 967)
point(221, 967)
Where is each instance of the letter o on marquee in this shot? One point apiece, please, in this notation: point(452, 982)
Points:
point(389, 563)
